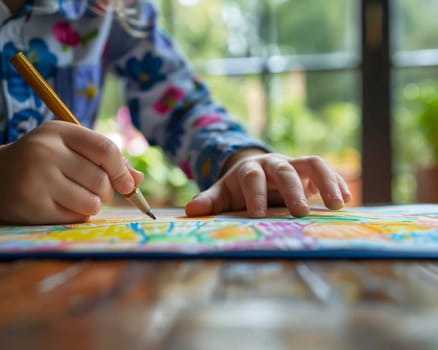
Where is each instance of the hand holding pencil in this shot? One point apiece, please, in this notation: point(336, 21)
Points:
point(59, 172)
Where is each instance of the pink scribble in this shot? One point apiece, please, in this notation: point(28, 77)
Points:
point(281, 228)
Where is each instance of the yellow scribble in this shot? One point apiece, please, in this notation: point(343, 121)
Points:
point(94, 234)
point(343, 231)
point(233, 233)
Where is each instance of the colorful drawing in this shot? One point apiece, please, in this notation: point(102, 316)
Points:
point(391, 231)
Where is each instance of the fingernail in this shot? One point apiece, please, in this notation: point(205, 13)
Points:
point(127, 163)
point(127, 187)
point(300, 209)
point(129, 166)
point(337, 200)
point(195, 196)
point(301, 203)
point(258, 213)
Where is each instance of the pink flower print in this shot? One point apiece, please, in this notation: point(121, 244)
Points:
point(169, 100)
point(65, 34)
point(185, 167)
point(206, 120)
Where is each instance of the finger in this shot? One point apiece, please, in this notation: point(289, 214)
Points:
point(325, 179)
point(63, 216)
point(42, 212)
point(136, 174)
point(90, 176)
point(346, 194)
point(74, 197)
point(214, 200)
point(48, 217)
point(252, 181)
point(288, 184)
point(101, 151)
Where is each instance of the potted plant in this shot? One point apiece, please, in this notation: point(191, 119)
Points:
point(426, 120)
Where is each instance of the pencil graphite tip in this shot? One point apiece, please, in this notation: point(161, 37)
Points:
point(137, 199)
point(150, 214)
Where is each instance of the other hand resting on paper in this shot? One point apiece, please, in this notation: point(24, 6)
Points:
point(254, 179)
point(60, 173)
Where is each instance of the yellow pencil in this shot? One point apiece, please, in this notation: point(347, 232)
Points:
point(29, 73)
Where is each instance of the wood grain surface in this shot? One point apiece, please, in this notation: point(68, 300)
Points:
point(209, 304)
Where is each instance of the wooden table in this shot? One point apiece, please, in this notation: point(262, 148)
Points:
point(209, 304)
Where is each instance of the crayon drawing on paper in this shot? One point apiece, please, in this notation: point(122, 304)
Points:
point(385, 230)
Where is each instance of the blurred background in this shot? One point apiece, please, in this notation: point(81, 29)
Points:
point(354, 81)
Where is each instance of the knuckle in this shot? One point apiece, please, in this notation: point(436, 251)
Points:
point(100, 181)
point(315, 160)
point(250, 174)
point(280, 167)
point(259, 198)
point(107, 147)
point(102, 187)
point(329, 182)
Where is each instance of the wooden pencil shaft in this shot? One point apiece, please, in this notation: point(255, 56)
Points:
point(42, 88)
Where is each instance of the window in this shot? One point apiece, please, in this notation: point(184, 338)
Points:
point(295, 63)
point(345, 79)
point(415, 71)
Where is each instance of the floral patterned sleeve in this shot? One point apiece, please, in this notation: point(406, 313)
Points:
point(173, 108)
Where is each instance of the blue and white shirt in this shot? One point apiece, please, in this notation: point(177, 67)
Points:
point(73, 48)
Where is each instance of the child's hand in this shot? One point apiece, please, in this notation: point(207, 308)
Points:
point(60, 173)
point(256, 180)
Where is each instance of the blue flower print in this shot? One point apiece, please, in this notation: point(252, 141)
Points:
point(40, 56)
point(145, 72)
point(22, 122)
point(43, 60)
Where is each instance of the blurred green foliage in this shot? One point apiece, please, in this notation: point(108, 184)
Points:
point(415, 134)
point(415, 25)
point(164, 184)
point(322, 120)
point(319, 114)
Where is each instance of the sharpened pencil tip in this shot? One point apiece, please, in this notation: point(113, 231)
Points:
point(151, 215)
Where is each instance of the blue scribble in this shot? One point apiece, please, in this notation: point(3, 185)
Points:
point(416, 236)
point(135, 226)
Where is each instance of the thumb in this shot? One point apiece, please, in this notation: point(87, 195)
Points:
point(200, 205)
point(208, 202)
